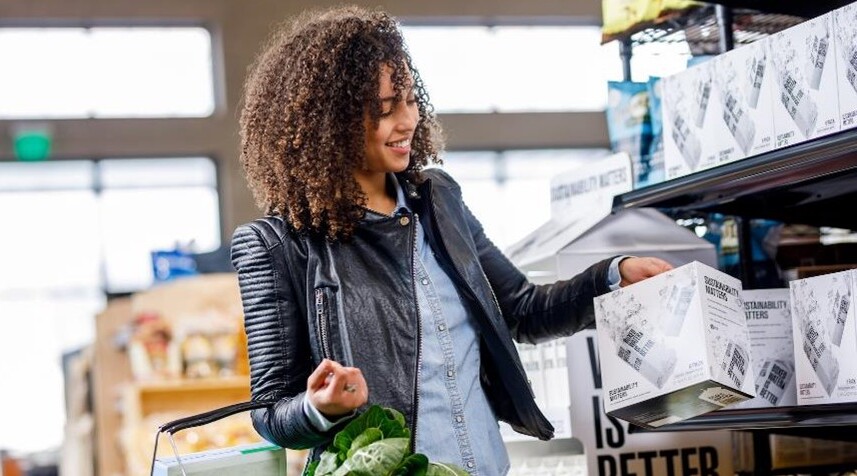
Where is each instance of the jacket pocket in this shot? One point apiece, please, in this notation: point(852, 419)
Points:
point(325, 310)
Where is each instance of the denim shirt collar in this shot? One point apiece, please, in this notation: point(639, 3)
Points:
point(401, 201)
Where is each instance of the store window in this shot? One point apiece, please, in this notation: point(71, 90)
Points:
point(106, 72)
point(509, 191)
point(658, 59)
point(480, 69)
point(73, 230)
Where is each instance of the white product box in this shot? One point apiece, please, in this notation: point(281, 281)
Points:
point(695, 135)
point(806, 102)
point(744, 83)
point(825, 344)
point(769, 324)
point(674, 346)
point(845, 44)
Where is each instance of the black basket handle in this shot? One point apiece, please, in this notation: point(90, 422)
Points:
point(200, 419)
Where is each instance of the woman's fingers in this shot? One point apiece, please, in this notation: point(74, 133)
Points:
point(633, 270)
point(335, 389)
point(319, 377)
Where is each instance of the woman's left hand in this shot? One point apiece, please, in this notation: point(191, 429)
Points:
point(633, 270)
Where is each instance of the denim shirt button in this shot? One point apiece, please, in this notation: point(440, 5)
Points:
point(459, 419)
point(450, 373)
point(470, 464)
point(425, 281)
point(404, 221)
point(441, 327)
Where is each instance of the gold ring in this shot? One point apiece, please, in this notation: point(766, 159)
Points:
point(350, 387)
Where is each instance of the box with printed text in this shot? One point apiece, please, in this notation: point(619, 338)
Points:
point(825, 338)
point(769, 324)
point(744, 83)
point(694, 134)
point(806, 101)
point(845, 45)
point(674, 346)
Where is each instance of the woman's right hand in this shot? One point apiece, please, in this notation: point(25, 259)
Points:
point(335, 390)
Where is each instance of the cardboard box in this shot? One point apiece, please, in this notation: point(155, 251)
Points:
point(806, 103)
point(694, 133)
point(845, 44)
point(825, 343)
point(674, 346)
point(745, 83)
point(769, 324)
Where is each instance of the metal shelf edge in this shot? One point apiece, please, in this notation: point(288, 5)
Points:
point(786, 167)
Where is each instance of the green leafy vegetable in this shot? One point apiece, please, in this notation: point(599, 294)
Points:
point(327, 463)
point(376, 443)
point(379, 458)
point(444, 469)
point(369, 436)
point(413, 465)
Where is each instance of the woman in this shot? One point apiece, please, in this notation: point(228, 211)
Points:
point(370, 281)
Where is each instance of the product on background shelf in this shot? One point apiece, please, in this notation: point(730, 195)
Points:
point(770, 326)
point(825, 344)
point(209, 344)
point(152, 351)
point(629, 124)
point(807, 103)
point(668, 354)
point(656, 151)
point(845, 39)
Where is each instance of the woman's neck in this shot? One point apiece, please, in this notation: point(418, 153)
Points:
point(378, 196)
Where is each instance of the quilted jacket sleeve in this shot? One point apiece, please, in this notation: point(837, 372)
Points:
point(278, 346)
point(535, 313)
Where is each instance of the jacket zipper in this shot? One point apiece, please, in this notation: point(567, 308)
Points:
point(419, 331)
point(323, 325)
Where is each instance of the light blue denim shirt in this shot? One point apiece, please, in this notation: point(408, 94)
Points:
point(455, 423)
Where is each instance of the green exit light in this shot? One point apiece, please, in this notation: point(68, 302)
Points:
point(32, 146)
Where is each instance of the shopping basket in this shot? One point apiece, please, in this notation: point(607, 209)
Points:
point(262, 459)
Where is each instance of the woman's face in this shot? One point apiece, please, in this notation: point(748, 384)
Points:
point(388, 147)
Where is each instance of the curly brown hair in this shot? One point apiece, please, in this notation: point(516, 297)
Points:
point(302, 121)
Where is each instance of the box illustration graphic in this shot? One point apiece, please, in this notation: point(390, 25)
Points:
point(674, 346)
point(807, 103)
point(825, 345)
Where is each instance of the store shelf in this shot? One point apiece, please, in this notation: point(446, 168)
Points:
point(238, 382)
point(698, 28)
point(813, 183)
point(801, 9)
point(834, 421)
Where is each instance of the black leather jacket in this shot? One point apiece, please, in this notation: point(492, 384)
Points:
point(306, 298)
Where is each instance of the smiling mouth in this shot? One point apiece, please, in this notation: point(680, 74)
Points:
point(399, 144)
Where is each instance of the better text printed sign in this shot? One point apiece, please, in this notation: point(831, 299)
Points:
point(612, 451)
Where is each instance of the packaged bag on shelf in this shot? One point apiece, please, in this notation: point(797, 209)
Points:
point(629, 125)
point(656, 150)
point(806, 103)
point(674, 346)
point(825, 338)
point(769, 324)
